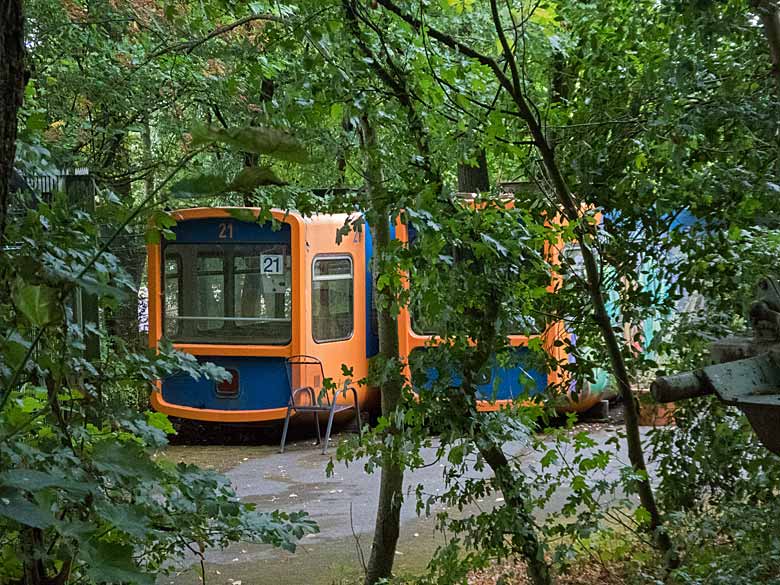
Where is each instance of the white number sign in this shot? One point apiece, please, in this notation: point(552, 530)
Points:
point(272, 263)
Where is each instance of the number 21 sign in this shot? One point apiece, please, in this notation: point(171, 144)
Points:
point(272, 263)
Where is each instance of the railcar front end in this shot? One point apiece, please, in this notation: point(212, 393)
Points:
point(247, 296)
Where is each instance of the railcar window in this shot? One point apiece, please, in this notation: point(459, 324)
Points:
point(515, 322)
point(262, 299)
point(228, 293)
point(332, 298)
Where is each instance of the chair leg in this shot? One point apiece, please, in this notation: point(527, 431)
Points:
point(286, 425)
point(330, 426)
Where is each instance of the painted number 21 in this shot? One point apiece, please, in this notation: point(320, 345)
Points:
point(226, 231)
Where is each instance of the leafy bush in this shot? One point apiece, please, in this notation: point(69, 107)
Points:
point(83, 497)
point(91, 501)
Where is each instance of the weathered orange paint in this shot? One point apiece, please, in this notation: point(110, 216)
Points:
point(212, 415)
point(153, 304)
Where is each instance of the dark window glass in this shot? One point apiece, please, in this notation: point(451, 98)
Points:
point(210, 284)
point(423, 324)
point(262, 298)
point(229, 293)
point(332, 304)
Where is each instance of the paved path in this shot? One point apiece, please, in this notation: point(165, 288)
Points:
point(343, 505)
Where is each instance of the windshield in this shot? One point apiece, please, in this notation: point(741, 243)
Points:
point(228, 293)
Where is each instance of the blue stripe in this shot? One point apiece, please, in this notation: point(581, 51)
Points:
point(262, 385)
point(521, 380)
point(372, 335)
point(226, 230)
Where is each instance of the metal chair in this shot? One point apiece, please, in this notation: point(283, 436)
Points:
point(322, 401)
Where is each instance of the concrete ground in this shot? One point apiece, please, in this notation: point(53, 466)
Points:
point(343, 505)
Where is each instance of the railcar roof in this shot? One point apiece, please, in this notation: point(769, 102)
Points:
point(322, 218)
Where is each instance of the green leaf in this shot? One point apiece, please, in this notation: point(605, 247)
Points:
point(336, 113)
point(160, 421)
point(38, 303)
point(578, 483)
point(19, 509)
point(252, 177)
point(267, 141)
point(549, 458)
point(641, 515)
point(37, 121)
point(242, 214)
point(14, 349)
point(109, 562)
point(126, 461)
point(32, 480)
point(199, 186)
point(129, 518)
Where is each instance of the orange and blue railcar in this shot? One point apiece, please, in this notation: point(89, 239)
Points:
point(248, 296)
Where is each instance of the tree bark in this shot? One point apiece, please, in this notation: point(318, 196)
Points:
point(525, 542)
point(388, 516)
point(524, 535)
point(12, 74)
point(474, 178)
point(146, 137)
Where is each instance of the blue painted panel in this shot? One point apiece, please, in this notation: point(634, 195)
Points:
point(524, 379)
point(209, 230)
point(372, 335)
point(411, 232)
point(262, 384)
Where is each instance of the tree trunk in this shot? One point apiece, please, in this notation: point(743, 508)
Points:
point(388, 515)
point(601, 317)
point(81, 195)
point(12, 75)
point(146, 137)
point(559, 92)
point(122, 322)
point(526, 542)
point(474, 179)
point(513, 85)
point(524, 535)
point(31, 541)
point(573, 211)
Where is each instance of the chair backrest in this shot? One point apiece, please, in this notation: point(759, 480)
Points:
point(304, 370)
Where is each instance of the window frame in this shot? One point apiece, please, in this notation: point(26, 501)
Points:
point(315, 278)
point(197, 273)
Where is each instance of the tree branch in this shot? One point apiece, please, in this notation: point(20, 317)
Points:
point(190, 46)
